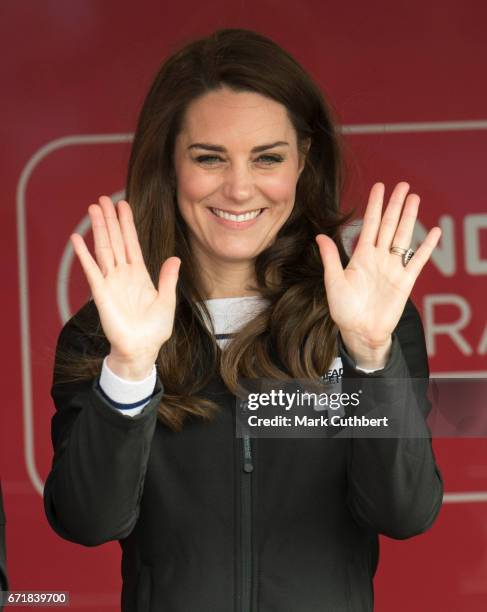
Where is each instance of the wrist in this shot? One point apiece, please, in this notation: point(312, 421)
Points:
point(367, 355)
point(130, 369)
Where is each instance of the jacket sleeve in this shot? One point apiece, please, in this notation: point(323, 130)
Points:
point(93, 490)
point(394, 484)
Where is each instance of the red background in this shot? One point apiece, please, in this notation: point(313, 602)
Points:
point(80, 69)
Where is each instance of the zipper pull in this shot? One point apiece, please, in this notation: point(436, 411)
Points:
point(248, 467)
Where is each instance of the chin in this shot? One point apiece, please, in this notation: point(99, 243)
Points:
point(232, 254)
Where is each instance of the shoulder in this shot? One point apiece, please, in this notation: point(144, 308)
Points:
point(80, 348)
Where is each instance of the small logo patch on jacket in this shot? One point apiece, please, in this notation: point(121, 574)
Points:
point(334, 374)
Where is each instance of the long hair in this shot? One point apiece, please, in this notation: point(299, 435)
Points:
point(295, 326)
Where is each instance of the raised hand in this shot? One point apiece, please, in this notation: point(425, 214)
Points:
point(136, 317)
point(367, 298)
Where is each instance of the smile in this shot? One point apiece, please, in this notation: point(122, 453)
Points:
point(239, 222)
point(237, 218)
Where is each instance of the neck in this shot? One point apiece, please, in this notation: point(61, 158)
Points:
point(226, 278)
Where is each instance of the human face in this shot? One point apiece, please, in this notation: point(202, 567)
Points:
point(231, 175)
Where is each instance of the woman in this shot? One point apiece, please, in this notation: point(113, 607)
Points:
point(234, 184)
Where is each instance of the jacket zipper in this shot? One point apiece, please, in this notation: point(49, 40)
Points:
point(246, 544)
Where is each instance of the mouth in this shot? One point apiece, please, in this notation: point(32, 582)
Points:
point(236, 222)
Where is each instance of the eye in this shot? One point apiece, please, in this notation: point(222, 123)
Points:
point(205, 158)
point(271, 159)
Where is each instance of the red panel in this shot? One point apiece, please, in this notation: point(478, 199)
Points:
point(83, 67)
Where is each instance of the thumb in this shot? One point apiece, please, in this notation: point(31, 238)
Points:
point(168, 277)
point(330, 258)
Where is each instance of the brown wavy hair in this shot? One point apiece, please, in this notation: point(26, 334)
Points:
point(295, 326)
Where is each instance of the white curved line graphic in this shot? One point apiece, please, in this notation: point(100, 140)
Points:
point(82, 227)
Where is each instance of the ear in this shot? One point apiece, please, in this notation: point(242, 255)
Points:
point(303, 154)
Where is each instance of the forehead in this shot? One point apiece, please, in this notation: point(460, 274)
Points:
point(240, 117)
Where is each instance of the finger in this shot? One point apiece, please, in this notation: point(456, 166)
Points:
point(422, 255)
point(330, 257)
point(114, 232)
point(404, 232)
point(168, 277)
point(129, 232)
point(103, 248)
point(372, 215)
point(92, 272)
point(391, 216)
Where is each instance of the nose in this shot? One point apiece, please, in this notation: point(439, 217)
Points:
point(238, 183)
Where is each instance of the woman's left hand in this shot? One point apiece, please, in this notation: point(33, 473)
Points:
point(367, 298)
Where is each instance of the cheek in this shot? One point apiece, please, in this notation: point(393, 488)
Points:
point(193, 185)
point(281, 188)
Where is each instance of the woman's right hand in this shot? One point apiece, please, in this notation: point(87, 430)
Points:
point(136, 317)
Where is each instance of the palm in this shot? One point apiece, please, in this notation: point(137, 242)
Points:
point(136, 317)
point(367, 298)
point(133, 317)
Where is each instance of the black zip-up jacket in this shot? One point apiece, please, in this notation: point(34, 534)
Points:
point(210, 522)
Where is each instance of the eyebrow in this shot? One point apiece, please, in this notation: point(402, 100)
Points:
point(220, 149)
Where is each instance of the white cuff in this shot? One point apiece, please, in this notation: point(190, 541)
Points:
point(124, 391)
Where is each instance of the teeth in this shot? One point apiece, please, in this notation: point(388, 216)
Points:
point(238, 218)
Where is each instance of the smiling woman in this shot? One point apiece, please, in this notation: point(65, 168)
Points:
point(234, 204)
point(234, 183)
